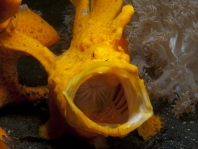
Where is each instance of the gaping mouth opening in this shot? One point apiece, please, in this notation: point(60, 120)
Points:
point(107, 98)
point(102, 99)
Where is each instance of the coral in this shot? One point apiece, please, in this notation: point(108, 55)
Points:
point(163, 40)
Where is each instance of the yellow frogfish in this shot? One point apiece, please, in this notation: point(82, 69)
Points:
point(93, 88)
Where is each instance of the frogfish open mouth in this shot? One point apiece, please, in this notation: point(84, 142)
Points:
point(107, 98)
point(93, 88)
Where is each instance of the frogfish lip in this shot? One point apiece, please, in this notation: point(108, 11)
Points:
point(108, 98)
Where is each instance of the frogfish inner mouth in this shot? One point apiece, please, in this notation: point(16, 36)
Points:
point(102, 99)
point(107, 98)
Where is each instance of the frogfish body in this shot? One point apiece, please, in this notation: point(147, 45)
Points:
point(93, 88)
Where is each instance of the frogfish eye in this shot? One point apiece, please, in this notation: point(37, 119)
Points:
point(107, 98)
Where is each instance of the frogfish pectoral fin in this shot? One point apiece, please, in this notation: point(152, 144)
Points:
point(18, 41)
point(29, 33)
point(107, 98)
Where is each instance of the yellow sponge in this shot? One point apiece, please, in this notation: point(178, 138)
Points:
point(150, 127)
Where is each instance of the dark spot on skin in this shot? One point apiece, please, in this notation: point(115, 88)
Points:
point(113, 31)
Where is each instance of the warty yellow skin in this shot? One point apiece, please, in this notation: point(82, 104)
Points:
point(97, 40)
point(98, 48)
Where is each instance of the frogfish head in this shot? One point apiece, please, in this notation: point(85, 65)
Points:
point(108, 98)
